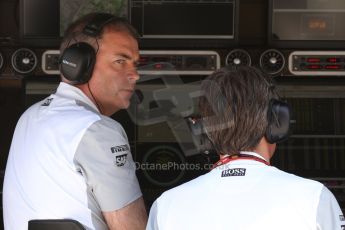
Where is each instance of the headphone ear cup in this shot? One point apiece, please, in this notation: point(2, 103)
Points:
point(77, 63)
point(278, 116)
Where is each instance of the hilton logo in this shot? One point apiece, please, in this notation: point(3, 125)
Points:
point(120, 148)
point(69, 63)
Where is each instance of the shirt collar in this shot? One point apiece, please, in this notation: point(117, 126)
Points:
point(253, 154)
point(72, 92)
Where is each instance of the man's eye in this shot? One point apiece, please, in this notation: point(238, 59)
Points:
point(120, 61)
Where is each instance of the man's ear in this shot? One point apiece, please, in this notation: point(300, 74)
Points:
point(265, 148)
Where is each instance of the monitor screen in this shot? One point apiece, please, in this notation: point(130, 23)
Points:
point(70, 10)
point(204, 19)
point(312, 20)
point(39, 18)
point(9, 25)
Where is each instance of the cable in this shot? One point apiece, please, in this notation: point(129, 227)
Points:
point(93, 97)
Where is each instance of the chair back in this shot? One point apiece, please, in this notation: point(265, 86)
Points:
point(55, 224)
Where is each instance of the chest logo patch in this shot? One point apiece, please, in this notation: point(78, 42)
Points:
point(47, 102)
point(121, 160)
point(119, 148)
point(234, 172)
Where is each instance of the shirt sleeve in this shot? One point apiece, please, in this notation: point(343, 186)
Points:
point(104, 159)
point(152, 221)
point(329, 215)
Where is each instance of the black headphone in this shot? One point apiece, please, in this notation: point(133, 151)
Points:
point(78, 60)
point(278, 129)
point(278, 117)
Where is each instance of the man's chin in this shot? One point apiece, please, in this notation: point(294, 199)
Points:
point(124, 105)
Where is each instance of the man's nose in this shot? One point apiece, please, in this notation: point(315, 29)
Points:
point(133, 75)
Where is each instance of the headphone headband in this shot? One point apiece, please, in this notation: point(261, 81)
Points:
point(278, 130)
point(95, 26)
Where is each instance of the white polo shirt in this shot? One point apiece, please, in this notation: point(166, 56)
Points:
point(67, 161)
point(246, 195)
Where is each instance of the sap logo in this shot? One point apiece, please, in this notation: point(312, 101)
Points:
point(47, 102)
point(121, 160)
point(120, 148)
point(69, 63)
point(234, 172)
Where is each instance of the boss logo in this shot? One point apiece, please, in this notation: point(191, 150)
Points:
point(121, 160)
point(69, 63)
point(234, 172)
